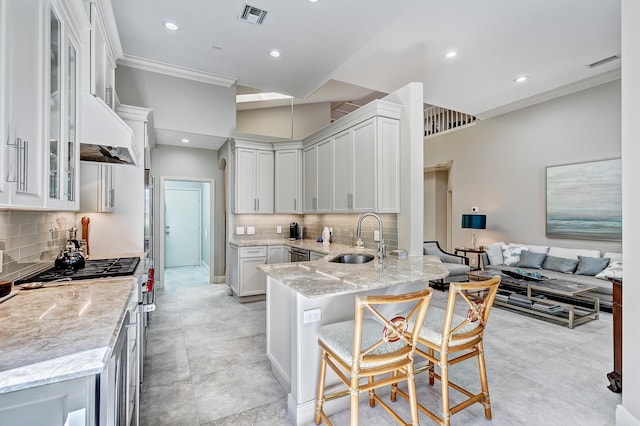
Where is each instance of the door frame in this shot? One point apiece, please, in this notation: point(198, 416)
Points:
point(159, 231)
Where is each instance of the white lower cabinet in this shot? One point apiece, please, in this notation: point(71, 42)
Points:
point(246, 279)
point(72, 401)
point(314, 255)
point(277, 254)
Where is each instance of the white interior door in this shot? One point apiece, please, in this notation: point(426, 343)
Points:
point(182, 227)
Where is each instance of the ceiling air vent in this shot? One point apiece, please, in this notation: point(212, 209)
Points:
point(253, 15)
point(603, 61)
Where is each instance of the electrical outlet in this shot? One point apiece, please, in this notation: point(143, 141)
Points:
point(251, 230)
point(376, 235)
point(278, 229)
point(312, 315)
point(239, 230)
point(1, 259)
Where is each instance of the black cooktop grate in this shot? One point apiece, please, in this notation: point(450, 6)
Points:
point(98, 268)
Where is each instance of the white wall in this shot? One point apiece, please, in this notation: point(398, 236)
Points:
point(629, 412)
point(410, 219)
point(184, 163)
point(277, 121)
point(499, 164)
point(179, 104)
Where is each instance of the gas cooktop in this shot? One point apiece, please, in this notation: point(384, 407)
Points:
point(98, 268)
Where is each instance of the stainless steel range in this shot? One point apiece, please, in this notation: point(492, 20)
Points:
point(97, 268)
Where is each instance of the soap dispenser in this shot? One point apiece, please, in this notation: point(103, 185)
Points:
point(326, 236)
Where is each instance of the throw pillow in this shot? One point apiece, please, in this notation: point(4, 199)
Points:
point(529, 259)
point(511, 254)
point(494, 253)
point(591, 265)
point(560, 264)
point(614, 270)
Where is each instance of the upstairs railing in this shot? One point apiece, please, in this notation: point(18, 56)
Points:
point(439, 120)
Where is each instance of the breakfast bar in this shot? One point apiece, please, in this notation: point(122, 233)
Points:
point(301, 297)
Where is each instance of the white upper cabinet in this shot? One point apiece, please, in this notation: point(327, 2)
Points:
point(318, 177)
point(310, 164)
point(61, 150)
point(23, 137)
point(288, 177)
point(254, 178)
point(40, 53)
point(102, 58)
point(354, 163)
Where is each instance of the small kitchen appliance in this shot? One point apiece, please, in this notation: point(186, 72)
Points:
point(300, 231)
point(293, 231)
point(71, 257)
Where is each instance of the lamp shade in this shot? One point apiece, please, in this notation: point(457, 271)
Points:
point(474, 221)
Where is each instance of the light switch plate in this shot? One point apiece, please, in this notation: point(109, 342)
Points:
point(251, 230)
point(376, 235)
point(239, 230)
point(312, 315)
point(278, 229)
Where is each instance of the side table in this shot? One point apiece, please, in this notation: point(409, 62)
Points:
point(478, 252)
point(615, 377)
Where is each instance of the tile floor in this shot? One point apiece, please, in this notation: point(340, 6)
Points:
point(206, 365)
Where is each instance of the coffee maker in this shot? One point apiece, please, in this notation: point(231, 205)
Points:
point(293, 231)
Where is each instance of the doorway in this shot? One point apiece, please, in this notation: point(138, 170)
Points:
point(186, 237)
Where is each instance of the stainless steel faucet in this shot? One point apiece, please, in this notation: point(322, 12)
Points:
point(381, 249)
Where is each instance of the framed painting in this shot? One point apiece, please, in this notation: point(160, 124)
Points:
point(584, 200)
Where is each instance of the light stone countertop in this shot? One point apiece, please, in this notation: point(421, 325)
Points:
point(303, 244)
point(322, 278)
point(53, 334)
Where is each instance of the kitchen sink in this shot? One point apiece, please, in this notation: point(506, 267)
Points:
point(353, 258)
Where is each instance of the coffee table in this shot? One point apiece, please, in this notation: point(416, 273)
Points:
point(540, 298)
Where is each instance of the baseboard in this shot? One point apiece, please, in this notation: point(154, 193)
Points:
point(625, 418)
point(219, 279)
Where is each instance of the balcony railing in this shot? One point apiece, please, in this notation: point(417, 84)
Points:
point(439, 120)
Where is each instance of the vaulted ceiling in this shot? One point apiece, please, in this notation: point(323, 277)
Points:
point(328, 47)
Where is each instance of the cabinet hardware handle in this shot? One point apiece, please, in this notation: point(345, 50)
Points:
point(15, 146)
point(257, 204)
point(295, 204)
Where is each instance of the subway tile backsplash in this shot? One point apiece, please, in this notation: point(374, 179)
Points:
point(344, 227)
point(29, 238)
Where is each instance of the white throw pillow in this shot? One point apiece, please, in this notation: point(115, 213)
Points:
point(533, 249)
point(570, 253)
point(614, 270)
point(494, 253)
point(613, 256)
point(511, 254)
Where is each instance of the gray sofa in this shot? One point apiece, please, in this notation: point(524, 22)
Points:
point(458, 266)
point(563, 263)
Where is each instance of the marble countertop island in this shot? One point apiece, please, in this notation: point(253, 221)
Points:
point(58, 333)
point(322, 278)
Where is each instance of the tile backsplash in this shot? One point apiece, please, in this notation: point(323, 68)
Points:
point(344, 227)
point(28, 238)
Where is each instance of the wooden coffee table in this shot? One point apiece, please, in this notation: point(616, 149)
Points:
point(540, 298)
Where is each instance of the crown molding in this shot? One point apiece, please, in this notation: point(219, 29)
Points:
point(175, 71)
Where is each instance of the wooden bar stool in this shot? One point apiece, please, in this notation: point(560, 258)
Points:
point(456, 338)
point(372, 345)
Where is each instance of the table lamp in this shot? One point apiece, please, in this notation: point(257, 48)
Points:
point(474, 221)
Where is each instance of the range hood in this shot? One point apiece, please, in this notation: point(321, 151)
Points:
point(104, 136)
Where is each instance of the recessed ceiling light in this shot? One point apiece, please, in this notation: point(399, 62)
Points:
point(313, 1)
point(171, 26)
point(451, 54)
point(274, 53)
point(520, 79)
point(185, 140)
